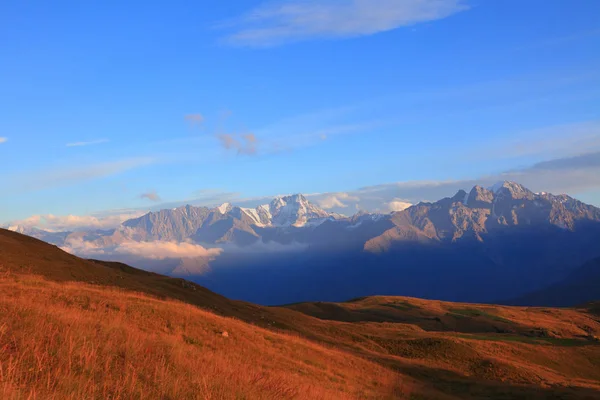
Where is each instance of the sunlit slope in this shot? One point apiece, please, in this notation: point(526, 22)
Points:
point(77, 341)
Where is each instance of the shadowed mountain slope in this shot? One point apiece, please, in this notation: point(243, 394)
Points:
point(582, 286)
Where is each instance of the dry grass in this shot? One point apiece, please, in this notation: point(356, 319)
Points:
point(77, 341)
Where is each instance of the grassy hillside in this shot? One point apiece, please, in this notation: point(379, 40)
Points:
point(72, 328)
point(76, 341)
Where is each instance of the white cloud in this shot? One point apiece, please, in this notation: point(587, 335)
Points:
point(398, 205)
point(80, 247)
point(336, 200)
point(54, 223)
point(149, 250)
point(295, 20)
point(3, 140)
point(164, 250)
point(90, 143)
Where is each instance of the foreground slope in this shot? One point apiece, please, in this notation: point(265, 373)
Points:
point(131, 334)
point(77, 341)
point(23, 254)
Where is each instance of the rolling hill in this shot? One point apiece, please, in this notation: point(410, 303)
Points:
point(75, 328)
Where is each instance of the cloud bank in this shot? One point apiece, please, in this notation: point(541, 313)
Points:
point(164, 250)
point(275, 23)
point(3, 140)
point(54, 223)
point(156, 250)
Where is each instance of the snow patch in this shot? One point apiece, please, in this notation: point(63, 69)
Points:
point(223, 208)
point(253, 213)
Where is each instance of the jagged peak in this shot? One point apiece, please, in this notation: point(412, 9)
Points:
point(223, 208)
point(480, 189)
point(461, 196)
point(479, 196)
point(511, 186)
point(361, 213)
point(293, 198)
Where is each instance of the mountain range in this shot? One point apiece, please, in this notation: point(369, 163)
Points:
point(488, 244)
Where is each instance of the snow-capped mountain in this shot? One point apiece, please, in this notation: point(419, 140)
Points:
point(286, 219)
point(485, 244)
point(296, 211)
point(282, 212)
point(46, 236)
point(227, 223)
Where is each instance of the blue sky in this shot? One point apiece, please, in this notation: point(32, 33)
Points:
point(111, 107)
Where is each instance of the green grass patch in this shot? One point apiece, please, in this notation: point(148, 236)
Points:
point(531, 340)
point(402, 306)
point(472, 313)
point(191, 341)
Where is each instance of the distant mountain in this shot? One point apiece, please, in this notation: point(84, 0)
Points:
point(226, 223)
point(580, 287)
point(484, 212)
point(477, 246)
point(177, 224)
point(47, 236)
point(483, 245)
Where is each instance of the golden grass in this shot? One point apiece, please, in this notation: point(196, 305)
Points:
point(78, 341)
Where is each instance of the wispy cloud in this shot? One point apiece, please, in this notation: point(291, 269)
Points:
point(194, 119)
point(574, 174)
point(295, 20)
point(3, 140)
point(89, 143)
point(242, 144)
point(550, 142)
point(151, 195)
point(571, 175)
point(67, 175)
